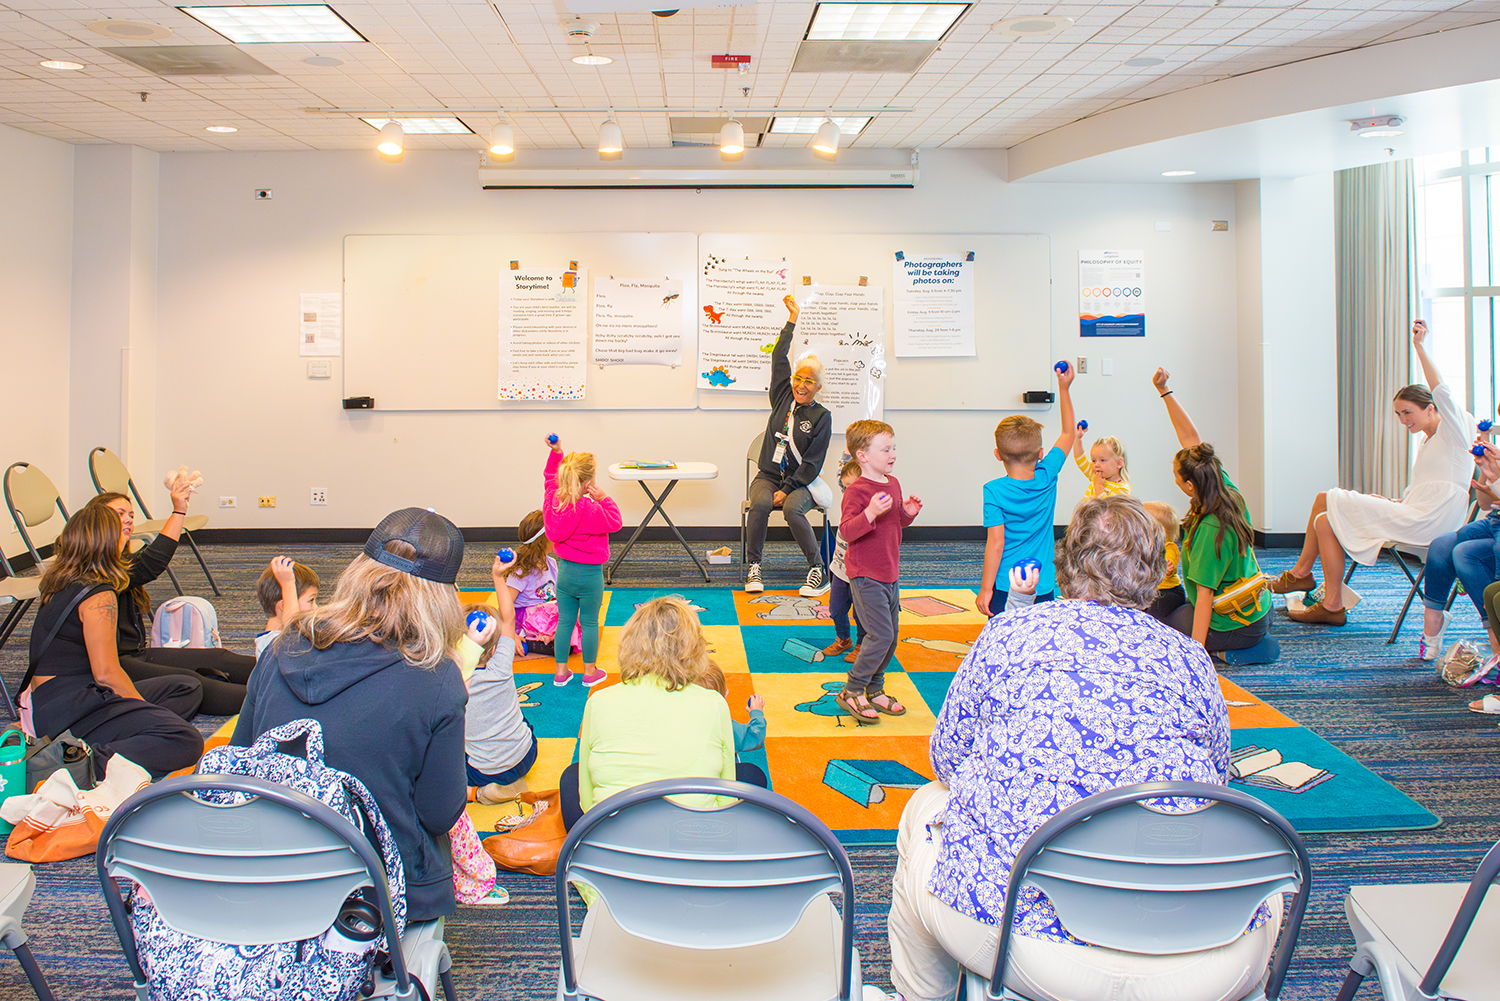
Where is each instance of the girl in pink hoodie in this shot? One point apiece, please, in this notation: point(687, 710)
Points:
point(578, 517)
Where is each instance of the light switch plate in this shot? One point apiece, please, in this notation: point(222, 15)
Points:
point(1107, 366)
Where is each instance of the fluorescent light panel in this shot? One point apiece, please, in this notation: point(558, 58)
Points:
point(890, 22)
point(424, 126)
point(251, 25)
point(848, 127)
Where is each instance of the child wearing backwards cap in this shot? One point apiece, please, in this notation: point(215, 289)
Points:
point(578, 517)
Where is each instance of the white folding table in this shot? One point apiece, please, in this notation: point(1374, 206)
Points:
point(680, 471)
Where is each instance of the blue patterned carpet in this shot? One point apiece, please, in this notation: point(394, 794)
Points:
point(1375, 702)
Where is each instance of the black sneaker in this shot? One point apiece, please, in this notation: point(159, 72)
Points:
point(752, 580)
point(815, 585)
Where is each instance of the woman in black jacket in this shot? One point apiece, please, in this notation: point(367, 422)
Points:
point(791, 456)
point(223, 673)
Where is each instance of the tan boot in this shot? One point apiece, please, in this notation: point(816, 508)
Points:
point(1287, 582)
point(1316, 614)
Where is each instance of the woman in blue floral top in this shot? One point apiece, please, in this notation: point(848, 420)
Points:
point(1056, 702)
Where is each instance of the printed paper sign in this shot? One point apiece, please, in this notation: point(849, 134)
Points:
point(934, 306)
point(742, 316)
point(844, 325)
point(637, 322)
point(1111, 293)
point(322, 327)
point(542, 334)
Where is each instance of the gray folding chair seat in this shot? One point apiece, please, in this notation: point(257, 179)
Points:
point(752, 466)
point(1404, 934)
point(277, 868)
point(33, 500)
point(17, 884)
point(110, 476)
point(738, 898)
point(1123, 876)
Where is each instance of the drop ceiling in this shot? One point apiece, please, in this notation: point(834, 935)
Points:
point(979, 88)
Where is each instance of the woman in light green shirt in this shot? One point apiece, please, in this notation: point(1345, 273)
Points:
point(658, 723)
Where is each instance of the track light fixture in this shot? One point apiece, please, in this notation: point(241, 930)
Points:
point(732, 141)
point(611, 140)
point(502, 142)
point(825, 144)
point(392, 144)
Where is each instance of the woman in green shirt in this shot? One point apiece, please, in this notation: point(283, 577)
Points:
point(1217, 547)
point(658, 723)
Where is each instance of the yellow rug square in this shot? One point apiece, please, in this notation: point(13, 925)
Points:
point(553, 754)
point(801, 705)
point(726, 645)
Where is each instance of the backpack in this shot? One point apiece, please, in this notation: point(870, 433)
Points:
point(185, 622)
point(182, 967)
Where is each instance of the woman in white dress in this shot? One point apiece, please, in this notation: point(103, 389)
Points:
point(1345, 522)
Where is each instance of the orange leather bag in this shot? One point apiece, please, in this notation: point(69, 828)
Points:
point(532, 841)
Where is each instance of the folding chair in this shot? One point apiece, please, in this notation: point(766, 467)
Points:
point(1401, 551)
point(737, 898)
point(1123, 876)
point(752, 466)
point(276, 868)
point(110, 476)
point(17, 884)
point(1399, 927)
point(19, 593)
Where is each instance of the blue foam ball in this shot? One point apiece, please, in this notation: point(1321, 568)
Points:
point(1028, 565)
point(506, 555)
point(1061, 366)
point(1083, 425)
point(477, 620)
point(1485, 425)
point(552, 439)
point(1478, 451)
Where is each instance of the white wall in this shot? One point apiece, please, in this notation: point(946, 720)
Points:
point(234, 399)
point(36, 232)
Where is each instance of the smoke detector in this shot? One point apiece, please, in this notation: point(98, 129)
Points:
point(580, 30)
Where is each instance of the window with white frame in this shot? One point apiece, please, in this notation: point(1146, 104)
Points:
point(1458, 268)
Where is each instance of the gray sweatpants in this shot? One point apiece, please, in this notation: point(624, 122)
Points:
point(878, 606)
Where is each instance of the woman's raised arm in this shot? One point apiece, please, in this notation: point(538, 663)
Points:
point(1187, 433)
point(1419, 343)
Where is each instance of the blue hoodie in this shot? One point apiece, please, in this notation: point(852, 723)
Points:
point(399, 729)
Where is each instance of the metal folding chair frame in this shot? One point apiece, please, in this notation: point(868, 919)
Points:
point(1416, 581)
point(752, 457)
point(141, 505)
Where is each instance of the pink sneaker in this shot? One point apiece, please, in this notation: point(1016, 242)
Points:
point(563, 676)
point(592, 677)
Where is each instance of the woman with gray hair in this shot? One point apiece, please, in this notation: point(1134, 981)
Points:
point(1054, 703)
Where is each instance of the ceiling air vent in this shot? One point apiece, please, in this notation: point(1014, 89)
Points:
point(860, 56)
point(191, 60)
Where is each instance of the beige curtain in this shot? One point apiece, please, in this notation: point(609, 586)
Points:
point(1376, 219)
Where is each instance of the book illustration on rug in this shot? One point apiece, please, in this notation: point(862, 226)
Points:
point(803, 650)
point(1258, 766)
point(826, 706)
point(927, 606)
point(791, 607)
point(866, 782)
point(959, 650)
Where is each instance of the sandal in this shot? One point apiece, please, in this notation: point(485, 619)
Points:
point(1489, 705)
point(856, 706)
point(891, 707)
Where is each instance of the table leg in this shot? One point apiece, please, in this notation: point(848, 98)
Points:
point(694, 556)
point(609, 575)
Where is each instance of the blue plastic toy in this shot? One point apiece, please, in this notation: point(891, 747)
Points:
point(1061, 367)
point(552, 439)
point(1485, 425)
point(1478, 451)
point(1083, 425)
point(1028, 565)
point(477, 620)
point(506, 555)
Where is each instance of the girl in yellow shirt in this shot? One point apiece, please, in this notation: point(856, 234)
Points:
point(1104, 466)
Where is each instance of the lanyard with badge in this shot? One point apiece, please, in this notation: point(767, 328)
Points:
point(783, 439)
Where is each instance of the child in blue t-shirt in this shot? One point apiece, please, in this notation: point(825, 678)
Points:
point(1019, 506)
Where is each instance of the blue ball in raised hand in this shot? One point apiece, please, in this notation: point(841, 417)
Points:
point(552, 439)
point(477, 620)
point(506, 555)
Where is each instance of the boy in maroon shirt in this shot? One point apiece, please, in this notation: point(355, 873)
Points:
point(873, 516)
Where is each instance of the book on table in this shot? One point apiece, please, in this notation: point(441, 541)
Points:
point(648, 464)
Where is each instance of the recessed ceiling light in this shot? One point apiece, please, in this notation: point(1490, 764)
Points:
point(220, 128)
point(590, 59)
point(1141, 61)
point(788, 125)
point(423, 126)
point(1177, 173)
point(1028, 27)
point(323, 61)
point(886, 22)
point(60, 64)
point(253, 25)
point(1381, 133)
point(134, 30)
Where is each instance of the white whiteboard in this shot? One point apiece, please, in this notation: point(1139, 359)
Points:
point(421, 317)
point(1012, 302)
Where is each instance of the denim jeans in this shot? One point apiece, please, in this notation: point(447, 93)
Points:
point(1471, 554)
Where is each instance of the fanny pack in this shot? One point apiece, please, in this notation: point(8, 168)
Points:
point(1241, 599)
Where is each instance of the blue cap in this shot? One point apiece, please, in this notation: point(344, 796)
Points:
point(438, 543)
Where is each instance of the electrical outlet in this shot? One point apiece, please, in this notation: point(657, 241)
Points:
point(227, 502)
point(268, 502)
point(1083, 365)
point(319, 496)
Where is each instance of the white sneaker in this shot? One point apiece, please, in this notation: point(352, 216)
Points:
point(752, 580)
point(815, 585)
point(1431, 647)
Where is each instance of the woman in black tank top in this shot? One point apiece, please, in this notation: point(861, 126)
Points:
point(76, 682)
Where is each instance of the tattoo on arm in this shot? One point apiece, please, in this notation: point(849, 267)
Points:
point(103, 605)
